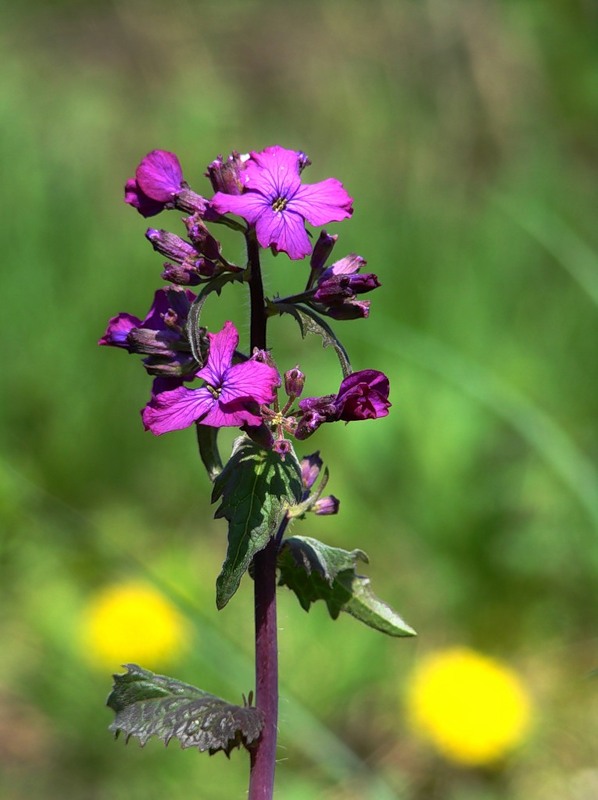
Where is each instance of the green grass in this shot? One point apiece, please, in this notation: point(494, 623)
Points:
point(467, 141)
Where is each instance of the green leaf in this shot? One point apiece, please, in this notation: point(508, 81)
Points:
point(310, 322)
point(148, 705)
point(257, 487)
point(315, 571)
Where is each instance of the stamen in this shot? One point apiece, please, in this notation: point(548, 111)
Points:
point(279, 204)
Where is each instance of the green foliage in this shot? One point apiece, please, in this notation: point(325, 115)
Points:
point(256, 488)
point(148, 705)
point(315, 571)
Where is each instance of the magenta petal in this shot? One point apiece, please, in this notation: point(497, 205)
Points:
point(323, 202)
point(286, 231)
point(118, 329)
point(273, 172)
point(248, 205)
point(230, 416)
point(159, 175)
point(251, 380)
point(222, 347)
point(176, 409)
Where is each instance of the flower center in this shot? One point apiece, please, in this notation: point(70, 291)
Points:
point(279, 204)
point(214, 391)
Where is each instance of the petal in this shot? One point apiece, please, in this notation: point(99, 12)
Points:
point(251, 380)
point(176, 409)
point(249, 205)
point(139, 200)
point(323, 202)
point(230, 416)
point(285, 230)
point(118, 329)
point(274, 172)
point(222, 346)
point(159, 175)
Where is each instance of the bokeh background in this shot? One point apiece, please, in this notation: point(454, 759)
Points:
point(466, 132)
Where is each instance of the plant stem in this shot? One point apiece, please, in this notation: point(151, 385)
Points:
point(263, 754)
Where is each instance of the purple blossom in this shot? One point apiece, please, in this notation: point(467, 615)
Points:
point(157, 180)
point(362, 395)
point(337, 285)
point(310, 469)
point(161, 335)
point(230, 397)
point(278, 204)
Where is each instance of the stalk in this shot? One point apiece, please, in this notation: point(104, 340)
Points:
point(263, 754)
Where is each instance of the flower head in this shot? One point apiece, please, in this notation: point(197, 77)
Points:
point(157, 180)
point(160, 336)
point(278, 204)
point(132, 622)
point(230, 397)
point(472, 708)
point(362, 395)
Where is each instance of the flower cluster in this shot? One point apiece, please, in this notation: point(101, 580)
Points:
point(265, 190)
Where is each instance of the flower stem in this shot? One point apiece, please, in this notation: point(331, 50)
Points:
point(263, 754)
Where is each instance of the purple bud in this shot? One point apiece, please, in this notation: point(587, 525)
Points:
point(303, 160)
point(201, 238)
point(294, 381)
point(170, 245)
point(283, 447)
point(322, 249)
point(351, 309)
point(363, 395)
point(192, 203)
point(188, 274)
point(310, 469)
point(118, 330)
point(326, 505)
point(225, 176)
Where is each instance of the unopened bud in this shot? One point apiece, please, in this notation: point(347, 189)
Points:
point(326, 505)
point(294, 381)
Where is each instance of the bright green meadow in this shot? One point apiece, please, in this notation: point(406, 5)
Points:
point(466, 132)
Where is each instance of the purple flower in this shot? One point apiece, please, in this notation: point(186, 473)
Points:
point(337, 285)
point(310, 469)
point(230, 398)
point(157, 180)
point(161, 335)
point(362, 395)
point(277, 203)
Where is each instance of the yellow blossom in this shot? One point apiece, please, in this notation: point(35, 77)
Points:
point(132, 622)
point(472, 708)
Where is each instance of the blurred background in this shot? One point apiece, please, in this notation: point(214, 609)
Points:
point(466, 133)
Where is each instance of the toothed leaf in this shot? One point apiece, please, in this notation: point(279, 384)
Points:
point(257, 487)
point(149, 705)
point(315, 571)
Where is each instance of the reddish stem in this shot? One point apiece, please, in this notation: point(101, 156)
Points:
point(263, 754)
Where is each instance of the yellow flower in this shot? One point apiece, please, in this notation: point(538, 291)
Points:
point(472, 708)
point(132, 622)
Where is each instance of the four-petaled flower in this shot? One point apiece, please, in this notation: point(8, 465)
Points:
point(277, 203)
point(230, 398)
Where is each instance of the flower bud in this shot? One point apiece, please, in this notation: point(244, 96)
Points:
point(326, 505)
point(350, 309)
point(310, 469)
point(225, 176)
point(294, 381)
point(322, 249)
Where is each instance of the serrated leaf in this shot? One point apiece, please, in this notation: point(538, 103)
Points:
point(310, 322)
point(257, 487)
point(149, 705)
point(316, 571)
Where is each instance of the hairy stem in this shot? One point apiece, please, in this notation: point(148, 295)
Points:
point(263, 755)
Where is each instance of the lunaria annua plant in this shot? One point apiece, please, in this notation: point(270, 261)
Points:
point(201, 379)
